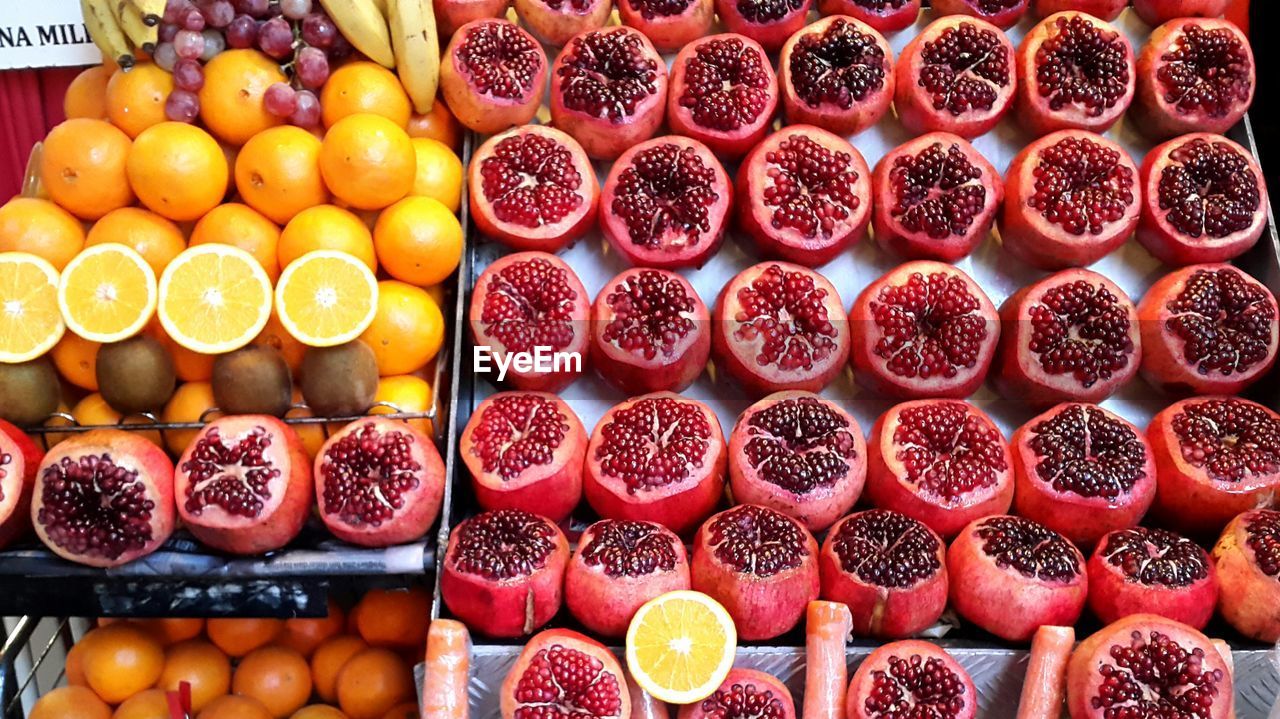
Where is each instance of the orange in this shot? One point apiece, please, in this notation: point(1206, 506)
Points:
point(395, 619)
point(238, 637)
point(403, 711)
point(200, 664)
point(31, 322)
point(241, 226)
point(328, 661)
point(151, 704)
point(155, 238)
point(178, 171)
point(418, 240)
point(231, 104)
point(326, 228)
point(70, 703)
point(214, 298)
point(74, 666)
point(276, 676)
point(93, 411)
point(171, 630)
point(437, 124)
point(364, 87)
point(135, 99)
point(368, 161)
point(278, 173)
point(373, 682)
point(77, 361)
point(680, 646)
point(189, 403)
point(312, 435)
point(82, 167)
point(304, 635)
point(318, 711)
point(41, 228)
point(120, 661)
point(438, 174)
point(87, 94)
point(234, 707)
point(326, 298)
point(107, 293)
point(404, 394)
point(275, 335)
point(407, 328)
point(189, 366)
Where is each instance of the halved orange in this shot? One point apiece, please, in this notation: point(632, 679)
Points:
point(214, 298)
point(680, 646)
point(326, 298)
point(30, 321)
point(107, 293)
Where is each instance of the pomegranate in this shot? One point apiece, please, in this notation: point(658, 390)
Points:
point(799, 454)
point(780, 326)
point(911, 678)
point(1075, 71)
point(1147, 666)
point(103, 498)
point(935, 198)
point(761, 565)
point(1204, 200)
point(1194, 75)
point(619, 565)
point(943, 462)
point(244, 484)
point(19, 458)
point(1215, 458)
point(1073, 197)
point(1071, 337)
point(1001, 13)
point(744, 694)
point(956, 76)
point(1011, 575)
point(890, 569)
point(609, 90)
point(658, 458)
point(669, 24)
point(503, 572)
point(804, 195)
point(882, 15)
point(836, 74)
point(526, 301)
point(1138, 570)
point(453, 14)
point(1248, 562)
point(525, 450)
point(665, 203)
point(1107, 10)
point(1207, 329)
point(768, 22)
point(493, 75)
point(924, 329)
point(533, 188)
point(650, 332)
point(561, 673)
point(723, 93)
point(555, 22)
point(379, 482)
point(1158, 12)
point(1082, 471)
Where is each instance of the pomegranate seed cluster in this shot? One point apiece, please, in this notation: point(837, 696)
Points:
point(1087, 451)
point(366, 475)
point(631, 549)
point(1154, 676)
point(531, 181)
point(807, 338)
point(580, 6)
point(992, 7)
point(937, 192)
point(5, 460)
point(811, 187)
point(1156, 557)
point(503, 544)
point(1224, 321)
point(1083, 64)
point(1231, 440)
point(236, 478)
point(1081, 329)
point(728, 84)
point(964, 68)
point(1208, 70)
point(743, 701)
point(564, 682)
point(800, 444)
point(1082, 186)
point(930, 326)
point(606, 75)
point(1209, 190)
point(914, 686)
point(666, 190)
point(530, 304)
point(518, 431)
point(651, 315)
point(842, 65)
point(1031, 548)
point(948, 450)
point(1264, 540)
point(500, 60)
point(757, 541)
point(94, 507)
point(765, 11)
point(887, 549)
point(654, 442)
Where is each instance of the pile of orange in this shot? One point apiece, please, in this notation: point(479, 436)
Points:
point(344, 666)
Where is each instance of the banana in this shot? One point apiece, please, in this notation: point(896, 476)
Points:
point(106, 32)
point(152, 10)
point(417, 49)
point(142, 36)
point(382, 6)
point(361, 23)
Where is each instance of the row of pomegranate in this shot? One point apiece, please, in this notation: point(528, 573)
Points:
point(244, 486)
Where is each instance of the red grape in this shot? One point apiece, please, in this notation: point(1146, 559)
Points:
point(256, 8)
point(188, 44)
point(182, 106)
point(219, 14)
point(275, 38)
point(214, 43)
point(175, 11)
point(165, 56)
point(242, 32)
point(307, 113)
point(188, 75)
point(280, 100)
point(295, 9)
point(312, 67)
point(193, 20)
point(318, 31)
point(167, 32)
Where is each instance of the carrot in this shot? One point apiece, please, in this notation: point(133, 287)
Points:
point(444, 691)
point(1225, 650)
point(644, 705)
point(1046, 682)
point(826, 671)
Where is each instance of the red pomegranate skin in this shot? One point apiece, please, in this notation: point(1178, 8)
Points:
point(1248, 560)
point(886, 17)
point(483, 111)
point(1139, 570)
point(1004, 14)
point(669, 32)
point(573, 673)
point(620, 565)
point(555, 25)
point(912, 673)
point(1107, 10)
point(770, 29)
point(744, 693)
point(1158, 12)
point(453, 14)
point(924, 100)
point(1232, 87)
point(19, 459)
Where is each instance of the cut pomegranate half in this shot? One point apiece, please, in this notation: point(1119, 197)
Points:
point(1140, 570)
point(1001, 13)
point(1248, 559)
point(956, 76)
point(911, 678)
point(19, 459)
point(723, 93)
point(1074, 72)
point(1194, 75)
point(555, 22)
point(883, 15)
point(493, 75)
point(836, 74)
point(768, 22)
point(669, 24)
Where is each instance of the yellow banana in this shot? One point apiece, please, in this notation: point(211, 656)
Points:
point(362, 24)
point(142, 36)
point(105, 31)
point(382, 6)
point(417, 49)
point(152, 11)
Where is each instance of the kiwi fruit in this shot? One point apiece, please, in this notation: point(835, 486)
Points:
point(29, 392)
point(252, 380)
point(339, 381)
point(136, 375)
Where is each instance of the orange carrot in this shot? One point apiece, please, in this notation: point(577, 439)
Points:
point(1225, 650)
point(826, 671)
point(1045, 685)
point(444, 691)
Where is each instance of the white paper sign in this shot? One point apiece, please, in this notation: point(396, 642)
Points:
point(44, 33)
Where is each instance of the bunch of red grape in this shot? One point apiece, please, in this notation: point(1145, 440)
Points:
point(295, 33)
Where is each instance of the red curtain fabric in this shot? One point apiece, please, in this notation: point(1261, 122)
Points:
point(30, 104)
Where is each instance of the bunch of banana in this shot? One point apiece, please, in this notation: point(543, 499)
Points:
point(417, 49)
point(121, 28)
point(364, 26)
